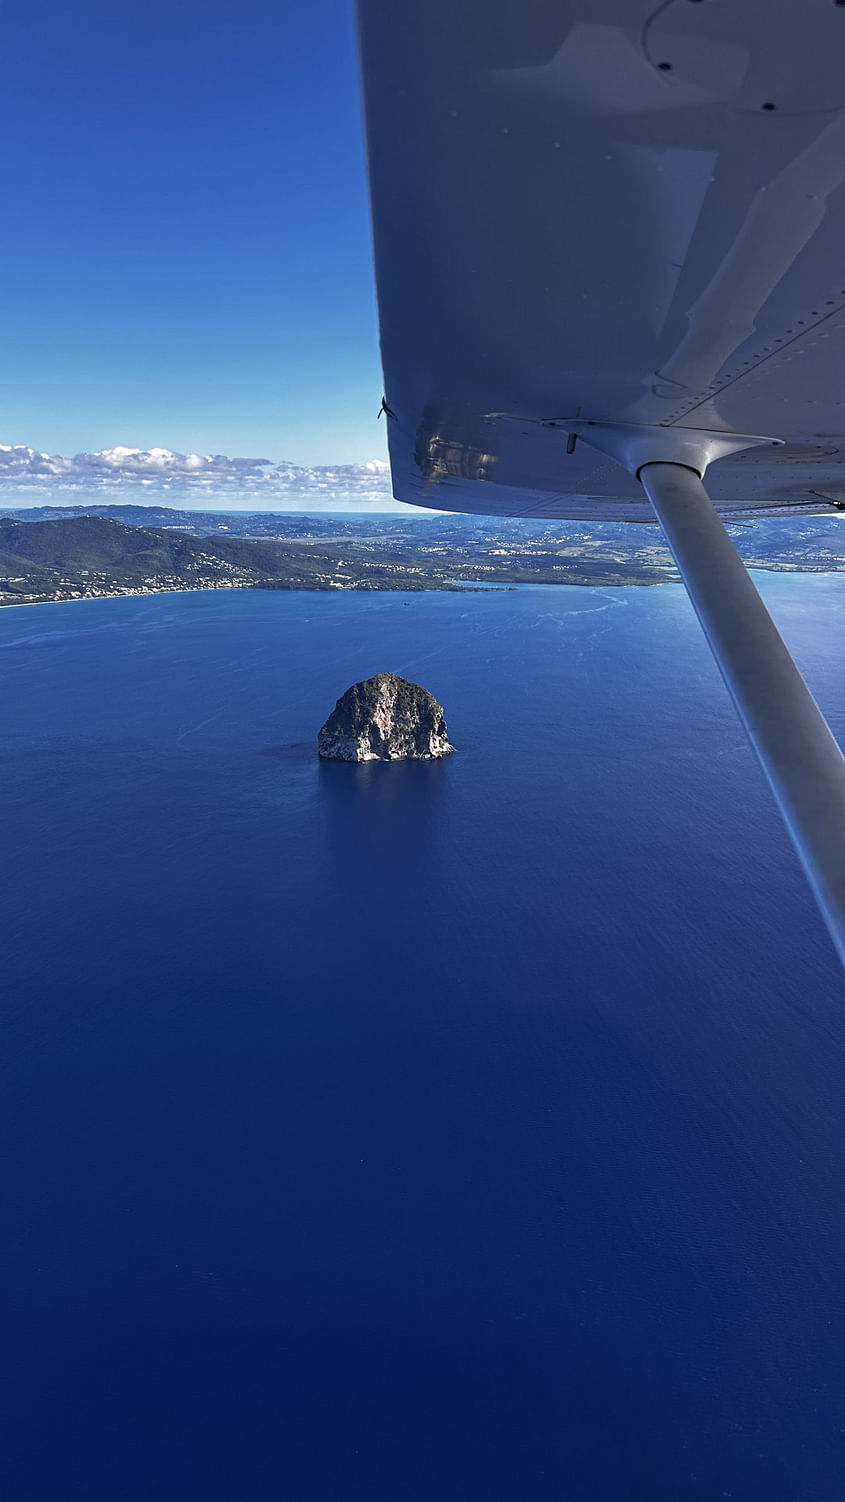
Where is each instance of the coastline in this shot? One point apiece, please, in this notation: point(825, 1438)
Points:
point(450, 586)
point(122, 594)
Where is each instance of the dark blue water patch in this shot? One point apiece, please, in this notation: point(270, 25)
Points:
point(461, 1129)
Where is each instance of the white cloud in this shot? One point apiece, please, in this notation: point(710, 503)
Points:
point(116, 471)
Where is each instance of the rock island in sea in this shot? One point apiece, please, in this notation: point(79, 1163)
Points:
point(385, 718)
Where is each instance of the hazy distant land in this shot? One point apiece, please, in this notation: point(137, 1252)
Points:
point(57, 553)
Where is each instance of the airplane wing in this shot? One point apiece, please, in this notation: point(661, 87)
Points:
point(612, 209)
point(609, 256)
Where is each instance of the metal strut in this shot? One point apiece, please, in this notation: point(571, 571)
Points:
point(799, 756)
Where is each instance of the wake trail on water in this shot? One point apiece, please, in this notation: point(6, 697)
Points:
point(186, 730)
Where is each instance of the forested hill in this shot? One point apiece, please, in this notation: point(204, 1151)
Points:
point(85, 557)
point(91, 556)
point(98, 543)
point(55, 554)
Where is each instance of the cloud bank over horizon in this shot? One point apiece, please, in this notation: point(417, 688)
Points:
point(28, 477)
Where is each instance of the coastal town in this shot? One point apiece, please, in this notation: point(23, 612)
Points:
point(55, 554)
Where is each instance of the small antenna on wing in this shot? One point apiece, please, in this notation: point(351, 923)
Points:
point(385, 409)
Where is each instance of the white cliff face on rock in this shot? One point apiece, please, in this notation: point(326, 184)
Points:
point(385, 718)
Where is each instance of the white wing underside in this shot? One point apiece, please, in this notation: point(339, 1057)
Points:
point(590, 208)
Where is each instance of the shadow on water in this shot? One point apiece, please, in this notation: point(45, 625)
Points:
point(296, 751)
point(382, 791)
point(385, 830)
point(385, 819)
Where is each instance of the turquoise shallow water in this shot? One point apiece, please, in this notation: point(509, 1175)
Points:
point(471, 1129)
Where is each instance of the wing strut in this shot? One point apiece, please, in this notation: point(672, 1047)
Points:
point(802, 761)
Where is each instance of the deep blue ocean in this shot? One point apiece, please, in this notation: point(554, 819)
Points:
point(470, 1130)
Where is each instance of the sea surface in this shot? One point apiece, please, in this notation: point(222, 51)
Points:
point(470, 1130)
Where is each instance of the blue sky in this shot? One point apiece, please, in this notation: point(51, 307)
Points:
point(185, 257)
